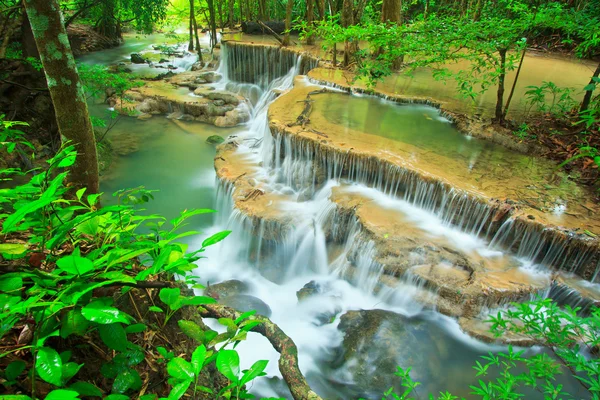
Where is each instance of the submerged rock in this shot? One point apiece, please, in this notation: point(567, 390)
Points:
point(376, 342)
point(246, 302)
point(226, 289)
point(137, 58)
point(215, 139)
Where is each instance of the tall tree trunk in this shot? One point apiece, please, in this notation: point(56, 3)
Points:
point(310, 39)
point(587, 98)
point(321, 9)
point(334, 55)
point(221, 19)
point(231, 7)
point(500, 94)
point(262, 10)
point(198, 48)
point(191, 44)
point(248, 11)
point(347, 20)
point(65, 89)
point(288, 22)
point(391, 14)
point(212, 22)
point(514, 85)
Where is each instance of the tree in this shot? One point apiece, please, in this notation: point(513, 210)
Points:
point(65, 88)
point(310, 11)
point(288, 22)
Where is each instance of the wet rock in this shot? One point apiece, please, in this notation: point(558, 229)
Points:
point(310, 289)
point(137, 58)
point(228, 98)
point(377, 341)
point(197, 66)
point(226, 289)
point(245, 302)
point(210, 76)
point(163, 61)
point(232, 118)
point(215, 139)
point(171, 66)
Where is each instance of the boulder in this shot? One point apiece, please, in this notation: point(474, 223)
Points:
point(228, 98)
point(226, 288)
point(197, 66)
point(137, 58)
point(376, 342)
point(245, 302)
point(232, 118)
point(215, 139)
point(310, 289)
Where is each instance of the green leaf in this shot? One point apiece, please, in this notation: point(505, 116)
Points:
point(73, 322)
point(80, 193)
point(254, 371)
point(216, 238)
point(198, 300)
point(114, 336)
point(74, 264)
point(136, 328)
point(155, 309)
point(169, 296)
point(127, 380)
point(62, 394)
point(589, 87)
point(86, 389)
point(191, 329)
point(179, 390)
point(14, 369)
point(180, 369)
point(69, 370)
point(198, 357)
point(12, 249)
point(228, 363)
point(49, 365)
point(99, 312)
point(117, 397)
point(10, 284)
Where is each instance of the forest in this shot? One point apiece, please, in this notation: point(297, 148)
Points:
point(299, 199)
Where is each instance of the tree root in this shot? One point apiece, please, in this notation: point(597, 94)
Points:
point(288, 360)
point(303, 118)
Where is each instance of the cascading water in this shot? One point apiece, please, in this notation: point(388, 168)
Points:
point(324, 251)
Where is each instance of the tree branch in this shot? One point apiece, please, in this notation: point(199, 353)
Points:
point(288, 360)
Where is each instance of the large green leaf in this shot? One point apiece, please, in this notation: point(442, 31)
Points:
point(101, 313)
point(75, 264)
point(14, 369)
point(179, 390)
point(127, 380)
point(180, 369)
point(12, 249)
point(216, 238)
point(198, 357)
point(73, 322)
point(69, 370)
point(49, 365)
point(86, 389)
point(10, 284)
point(114, 336)
point(169, 296)
point(228, 363)
point(254, 371)
point(62, 394)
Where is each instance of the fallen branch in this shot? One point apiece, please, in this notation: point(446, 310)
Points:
point(288, 360)
point(303, 118)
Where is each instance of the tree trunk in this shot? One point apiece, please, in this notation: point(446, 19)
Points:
point(198, 48)
point(191, 43)
point(347, 20)
point(514, 85)
point(310, 39)
point(391, 14)
point(587, 98)
point(212, 22)
point(262, 10)
point(288, 22)
point(65, 89)
point(500, 94)
point(221, 19)
point(334, 55)
point(231, 17)
point(248, 11)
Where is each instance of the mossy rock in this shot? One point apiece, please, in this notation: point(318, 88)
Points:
point(215, 139)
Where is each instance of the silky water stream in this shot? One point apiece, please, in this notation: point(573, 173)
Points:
point(344, 352)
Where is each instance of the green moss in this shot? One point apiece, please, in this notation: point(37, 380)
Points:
point(39, 23)
point(53, 52)
point(66, 81)
point(51, 82)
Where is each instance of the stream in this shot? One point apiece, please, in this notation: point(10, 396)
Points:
point(351, 331)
